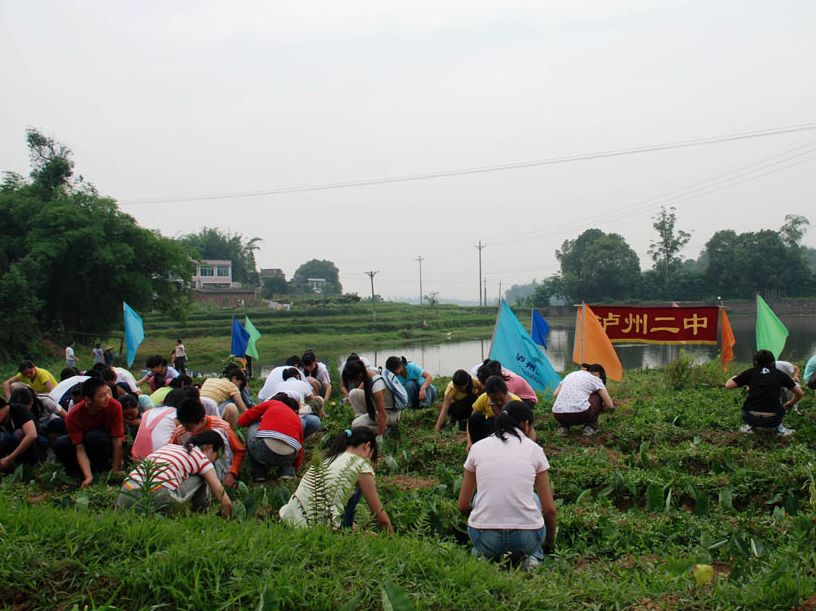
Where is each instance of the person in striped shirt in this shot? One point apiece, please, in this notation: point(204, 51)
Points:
point(177, 474)
point(193, 420)
point(274, 437)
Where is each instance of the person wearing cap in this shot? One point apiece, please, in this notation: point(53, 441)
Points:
point(107, 354)
point(40, 380)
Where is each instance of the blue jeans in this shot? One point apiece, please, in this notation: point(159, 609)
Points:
point(261, 458)
point(493, 543)
point(351, 508)
point(771, 421)
point(311, 424)
point(412, 387)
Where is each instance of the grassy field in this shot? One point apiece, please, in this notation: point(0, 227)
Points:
point(668, 484)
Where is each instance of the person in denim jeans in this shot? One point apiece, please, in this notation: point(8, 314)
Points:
point(506, 518)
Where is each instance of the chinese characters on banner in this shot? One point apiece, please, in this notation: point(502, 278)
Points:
point(686, 325)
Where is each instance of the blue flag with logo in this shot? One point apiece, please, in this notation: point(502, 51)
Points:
point(514, 347)
point(539, 329)
point(134, 333)
point(240, 338)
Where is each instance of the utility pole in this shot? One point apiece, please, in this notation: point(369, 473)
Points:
point(373, 300)
point(480, 247)
point(420, 279)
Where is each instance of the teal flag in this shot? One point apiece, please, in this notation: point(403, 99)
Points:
point(771, 334)
point(134, 333)
point(254, 336)
point(516, 351)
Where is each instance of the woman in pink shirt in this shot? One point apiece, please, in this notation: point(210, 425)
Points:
point(515, 383)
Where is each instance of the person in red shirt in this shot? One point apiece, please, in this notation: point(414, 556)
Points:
point(274, 437)
point(95, 433)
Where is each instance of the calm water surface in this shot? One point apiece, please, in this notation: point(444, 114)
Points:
point(444, 359)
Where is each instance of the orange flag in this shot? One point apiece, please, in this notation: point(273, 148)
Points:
point(593, 346)
point(727, 340)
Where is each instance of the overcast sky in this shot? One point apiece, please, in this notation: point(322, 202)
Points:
point(183, 99)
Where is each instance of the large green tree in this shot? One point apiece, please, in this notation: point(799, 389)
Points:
point(598, 266)
point(212, 243)
point(665, 250)
point(317, 268)
point(73, 257)
point(740, 265)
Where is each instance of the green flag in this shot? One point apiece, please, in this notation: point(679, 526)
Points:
point(771, 334)
point(254, 335)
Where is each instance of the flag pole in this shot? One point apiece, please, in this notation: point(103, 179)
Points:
point(495, 328)
point(583, 334)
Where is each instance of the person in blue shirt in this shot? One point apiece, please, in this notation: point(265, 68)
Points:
point(809, 376)
point(417, 381)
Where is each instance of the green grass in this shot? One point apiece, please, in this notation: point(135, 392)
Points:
point(667, 484)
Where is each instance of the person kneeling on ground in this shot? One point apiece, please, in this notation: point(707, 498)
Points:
point(95, 433)
point(763, 408)
point(193, 420)
point(579, 400)
point(417, 381)
point(18, 435)
point(504, 468)
point(177, 474)
point(274, 437)
point(487, 407)
point(347, 467)
point(457, 401)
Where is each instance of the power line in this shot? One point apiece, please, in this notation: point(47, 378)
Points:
point(480, 169)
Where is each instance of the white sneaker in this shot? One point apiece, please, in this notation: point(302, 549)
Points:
point(589, 431)
point(562, 431)
point(784, 432)
point(530, 563)
point(796, 410)
point(746, 428)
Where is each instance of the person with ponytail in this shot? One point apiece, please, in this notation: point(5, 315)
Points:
point(345, 475)
point(503, 470)
point(177, 474)
point(370, 397)
point(458, 398)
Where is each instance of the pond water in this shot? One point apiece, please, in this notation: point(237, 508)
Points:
point(444, 359)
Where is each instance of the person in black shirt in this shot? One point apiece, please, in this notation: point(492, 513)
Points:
point(18, 435)
point(763, 407)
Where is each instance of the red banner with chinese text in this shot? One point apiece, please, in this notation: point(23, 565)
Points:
point(685, 325)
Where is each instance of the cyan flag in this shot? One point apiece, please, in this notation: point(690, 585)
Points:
point(240, 338)
point(516, 351)
point(134, 333)
point(254, 336)
point(540, 329)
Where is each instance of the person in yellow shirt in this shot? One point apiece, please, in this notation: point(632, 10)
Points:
point(38, 379)
point(487, 407)
point(457, 401)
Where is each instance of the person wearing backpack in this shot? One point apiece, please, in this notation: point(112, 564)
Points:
point(371, 398)
point(415, 380)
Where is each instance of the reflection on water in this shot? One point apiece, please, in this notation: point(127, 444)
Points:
point(444, 359)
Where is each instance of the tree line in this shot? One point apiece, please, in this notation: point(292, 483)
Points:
point(69, 257)
point(602, 267)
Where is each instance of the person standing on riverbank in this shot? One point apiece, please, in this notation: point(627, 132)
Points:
point(70, 355)
point(179, 357)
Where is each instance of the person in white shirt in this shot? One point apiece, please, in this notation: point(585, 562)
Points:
point(312, 368)
point(308, 402)
point(504, 469)
point(579, 400)
point(70, 355)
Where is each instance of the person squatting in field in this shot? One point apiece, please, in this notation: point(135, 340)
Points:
point(503, 469)
point(177, 474)
point(763, 408)
point(346, 474)
point(579, 400)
